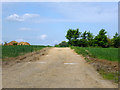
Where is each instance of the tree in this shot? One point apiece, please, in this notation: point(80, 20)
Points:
point(116, 40)
point(74, 42)
point(90, 38)
point(101, 39)
point(87, 39)
point(84, 35)
point(63, 44)
point(82, 43)
point(69, 34)
point(110, 41)
point(72, 35)
point(56, 45)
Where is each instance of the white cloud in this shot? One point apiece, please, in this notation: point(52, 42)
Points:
point(26, 16)
point(24, 29)
point(74, 12)
point(43, 37)
point(15, 17)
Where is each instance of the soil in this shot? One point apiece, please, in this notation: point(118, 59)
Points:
point(53, 68)
point(106, 65)
point(33, 56)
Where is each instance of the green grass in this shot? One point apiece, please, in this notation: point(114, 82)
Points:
point(100, 53)
point(110, 54)
point(13, 51)
point(80, 50)
point(110, 76)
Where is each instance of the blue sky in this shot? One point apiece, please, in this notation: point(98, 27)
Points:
point(46, 23)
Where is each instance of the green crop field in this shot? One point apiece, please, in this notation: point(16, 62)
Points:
point(13, 51)
point(101, 53)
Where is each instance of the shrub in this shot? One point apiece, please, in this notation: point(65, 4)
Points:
point(63, 44)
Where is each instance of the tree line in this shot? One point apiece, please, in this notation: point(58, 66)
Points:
point(87, 39)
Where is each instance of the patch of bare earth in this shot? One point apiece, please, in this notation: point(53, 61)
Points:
point(105, 66)
point(32, 56)
point(108, 66)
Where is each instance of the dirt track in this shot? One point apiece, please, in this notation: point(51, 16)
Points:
point(60, 68)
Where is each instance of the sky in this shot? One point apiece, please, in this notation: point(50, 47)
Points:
point(46, 23)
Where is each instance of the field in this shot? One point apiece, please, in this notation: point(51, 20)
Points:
point(13, 51)
point(110, 54)
point(100, 53)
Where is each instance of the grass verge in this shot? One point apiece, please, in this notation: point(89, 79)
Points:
point(110, 76)
point(13, 51)
point(110, 54)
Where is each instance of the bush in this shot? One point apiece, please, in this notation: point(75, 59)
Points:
point(63, 44)
point(56, 45)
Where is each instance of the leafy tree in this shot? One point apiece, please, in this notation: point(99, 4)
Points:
point(69, 35)
point(101, 39)
point(116, 40)
point(87, 39)
point(110, 42)
point(72, 36)
point(84, 35)
point(74, 42)
point(63, 44)
point(56, 45)
point(82, 43)
point(76, 34)
point(90, 38)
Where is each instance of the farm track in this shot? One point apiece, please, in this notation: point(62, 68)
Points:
point(59, 68)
